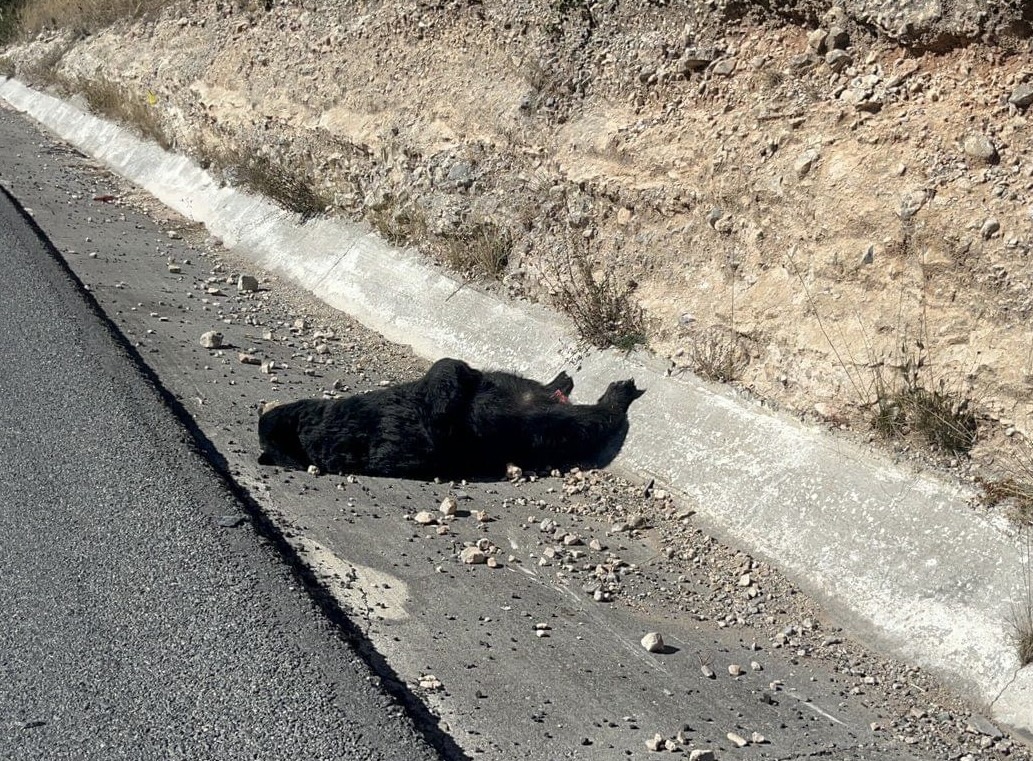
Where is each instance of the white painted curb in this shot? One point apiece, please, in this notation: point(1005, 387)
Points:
point(899, 555)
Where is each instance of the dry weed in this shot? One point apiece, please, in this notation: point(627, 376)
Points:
point(290, 185)
point(604, 311)
point(400, 220)
point(940, 416)
point(118, 103)
point(479, 250)
point(717, 354)
point(1021, 619)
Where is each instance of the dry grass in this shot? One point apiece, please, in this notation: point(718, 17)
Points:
point(81, 16)
point(8, 21)
point(288, 183)
point(480, 250)
point(717, 354)
point(1021, 621)
point(400, 220)
point(119, 104)
point(604, 310)
point(43, 72)
point(940, 416)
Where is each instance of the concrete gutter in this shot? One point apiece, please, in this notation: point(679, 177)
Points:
point(897, 555)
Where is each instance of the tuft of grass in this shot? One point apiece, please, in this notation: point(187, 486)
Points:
point(400, 220)
point(480, 250)
point(604, 310)
point(940, 416)
point(120, 104)
point(290, 185)
point(717, 354)
point(1021, 620)
point(7, 68)
point(943, 418)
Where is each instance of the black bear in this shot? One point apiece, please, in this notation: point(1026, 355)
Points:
point(455, 422)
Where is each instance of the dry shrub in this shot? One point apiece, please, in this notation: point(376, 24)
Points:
point(287, 182)
point(480, 249)
point(1021, 621)
point(399, 220)
point(120, 104)
point(718, 354)
point(912, 404)
point(604, 310)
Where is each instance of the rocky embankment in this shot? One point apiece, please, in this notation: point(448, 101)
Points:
point(826, 202)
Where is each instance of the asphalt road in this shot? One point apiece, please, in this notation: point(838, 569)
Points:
point(136, 622)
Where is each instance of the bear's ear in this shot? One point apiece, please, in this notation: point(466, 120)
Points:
point(469, 378)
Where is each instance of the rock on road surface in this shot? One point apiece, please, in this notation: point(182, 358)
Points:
point(144, 617)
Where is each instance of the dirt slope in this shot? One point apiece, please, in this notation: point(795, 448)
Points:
point(837, 194)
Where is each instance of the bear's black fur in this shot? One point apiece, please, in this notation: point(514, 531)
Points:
point(455, 422)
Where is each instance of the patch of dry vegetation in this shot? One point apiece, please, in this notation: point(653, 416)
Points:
point(80, 17)
point(115, 102)
point(603, 309)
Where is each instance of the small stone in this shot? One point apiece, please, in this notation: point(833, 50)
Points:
point(758, 739)
point(1022, 96)
point(173, 235)
point(425, 518)
point(755, 666)
point(268, 367)
point(513, 472)
point(837, 60)
point(838, 38)
point(736, 670)
point(869, 254)
point(212, 339)
point(655, 743)
point(571, 540)
point(596, 545)
point(601, 595)
point(653, 642)
point(491, 562)
point(175, 269)
point(990, 226)
point(248, 359)
point(725, 67)
point(804, 162)
point(430, 682)
point(701, 754)
point(745, 580)
point(313, 470)
point(481, 516)
point(449, 505)
point(473, 556)
point(816, 40)
point(978, 725)
point(979, 147)
point(247, 283)
point(737, 740)
point(708, 672)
